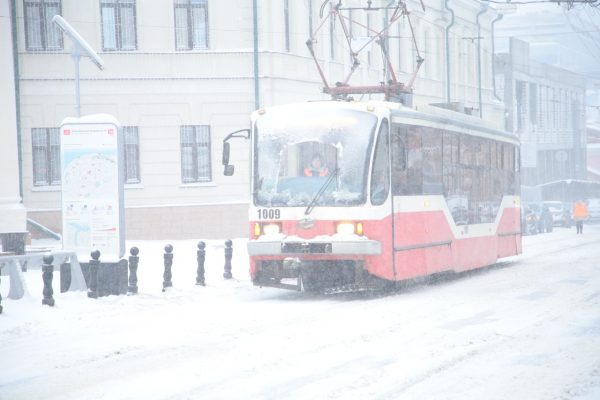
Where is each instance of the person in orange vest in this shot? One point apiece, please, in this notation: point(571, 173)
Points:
point(316, 167)
point(580, 213)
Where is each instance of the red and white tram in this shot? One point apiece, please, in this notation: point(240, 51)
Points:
point(348, 194)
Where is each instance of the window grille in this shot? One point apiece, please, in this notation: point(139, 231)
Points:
point(132, 154)
point(46, 156)
point(191, 24)
point(118, 25)
point(195, 154)
point(41, 34)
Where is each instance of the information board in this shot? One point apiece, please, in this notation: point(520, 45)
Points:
point(92, 187)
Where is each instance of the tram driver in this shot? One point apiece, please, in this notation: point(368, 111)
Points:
point(316, 167)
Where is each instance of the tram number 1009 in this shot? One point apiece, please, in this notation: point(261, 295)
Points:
point(269, 213)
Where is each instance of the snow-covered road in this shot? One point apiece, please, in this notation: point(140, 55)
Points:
point(528, 328)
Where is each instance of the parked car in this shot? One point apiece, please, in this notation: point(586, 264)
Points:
point(594, 209)
point(561, 214)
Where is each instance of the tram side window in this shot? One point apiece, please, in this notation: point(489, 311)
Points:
point(485, 209)
point(466, 166)
point(482, 152)
point(477, 172)
point(496, 173)
point(417, 160)
point(499, 155)
point(517, 182)
point(470, 177)
point(380, 177)
point(493, 155)
point(414, 161)
point(509, 169)
point(432, 161)
point(508, 158)
point(449, 162)
point(399, 153)
point(466, 150)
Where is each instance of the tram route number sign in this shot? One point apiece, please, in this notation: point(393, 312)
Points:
point(92, 186)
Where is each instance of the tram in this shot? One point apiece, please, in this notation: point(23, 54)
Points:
point(360, 195)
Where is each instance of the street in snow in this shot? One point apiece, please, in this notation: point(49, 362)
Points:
point(527, 328)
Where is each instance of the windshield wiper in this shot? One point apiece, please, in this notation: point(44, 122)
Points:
point(318, 195)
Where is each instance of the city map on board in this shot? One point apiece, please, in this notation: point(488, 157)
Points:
point(91, 190)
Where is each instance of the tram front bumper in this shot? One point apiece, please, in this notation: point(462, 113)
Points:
point(314, 247)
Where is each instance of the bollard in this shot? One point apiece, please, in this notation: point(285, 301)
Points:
point(168, 264)
point(94, 265)
point(228, 256)
point(201, 255)
point(133, 265)
point(47, 273)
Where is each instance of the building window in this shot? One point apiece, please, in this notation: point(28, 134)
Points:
point(522, 112)
point(191, 24)
point(195, 154)
point(118, 25)
point(286, 20)
point(533, 106)
point(132, 154)
point(46, 156)
point(41, 34)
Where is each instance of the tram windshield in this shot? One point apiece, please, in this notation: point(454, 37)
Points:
point(312, 155)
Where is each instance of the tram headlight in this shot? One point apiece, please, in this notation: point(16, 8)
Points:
point(345, 228)
point(257, 230)
point(271, 229)
point(359, 228)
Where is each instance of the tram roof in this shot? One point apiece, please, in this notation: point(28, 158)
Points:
point(427, 115)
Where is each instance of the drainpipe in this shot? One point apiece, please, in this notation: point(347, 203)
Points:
point(15, 48)
point(498, 18)
point(451, 11)
point(255, 33)
point(484, 8)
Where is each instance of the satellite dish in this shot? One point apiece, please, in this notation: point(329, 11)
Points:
point(80, 43)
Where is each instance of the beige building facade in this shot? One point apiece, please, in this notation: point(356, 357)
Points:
point(181, 74)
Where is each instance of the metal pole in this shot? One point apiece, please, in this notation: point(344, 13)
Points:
point(451, 11)
point(498, 18)
point(76, 58)
point(484, 8)
point(255, 32)
point(13, 17)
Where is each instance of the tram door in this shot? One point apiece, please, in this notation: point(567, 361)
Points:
point(381, 199)
point(399, 183)
point(406, 177)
